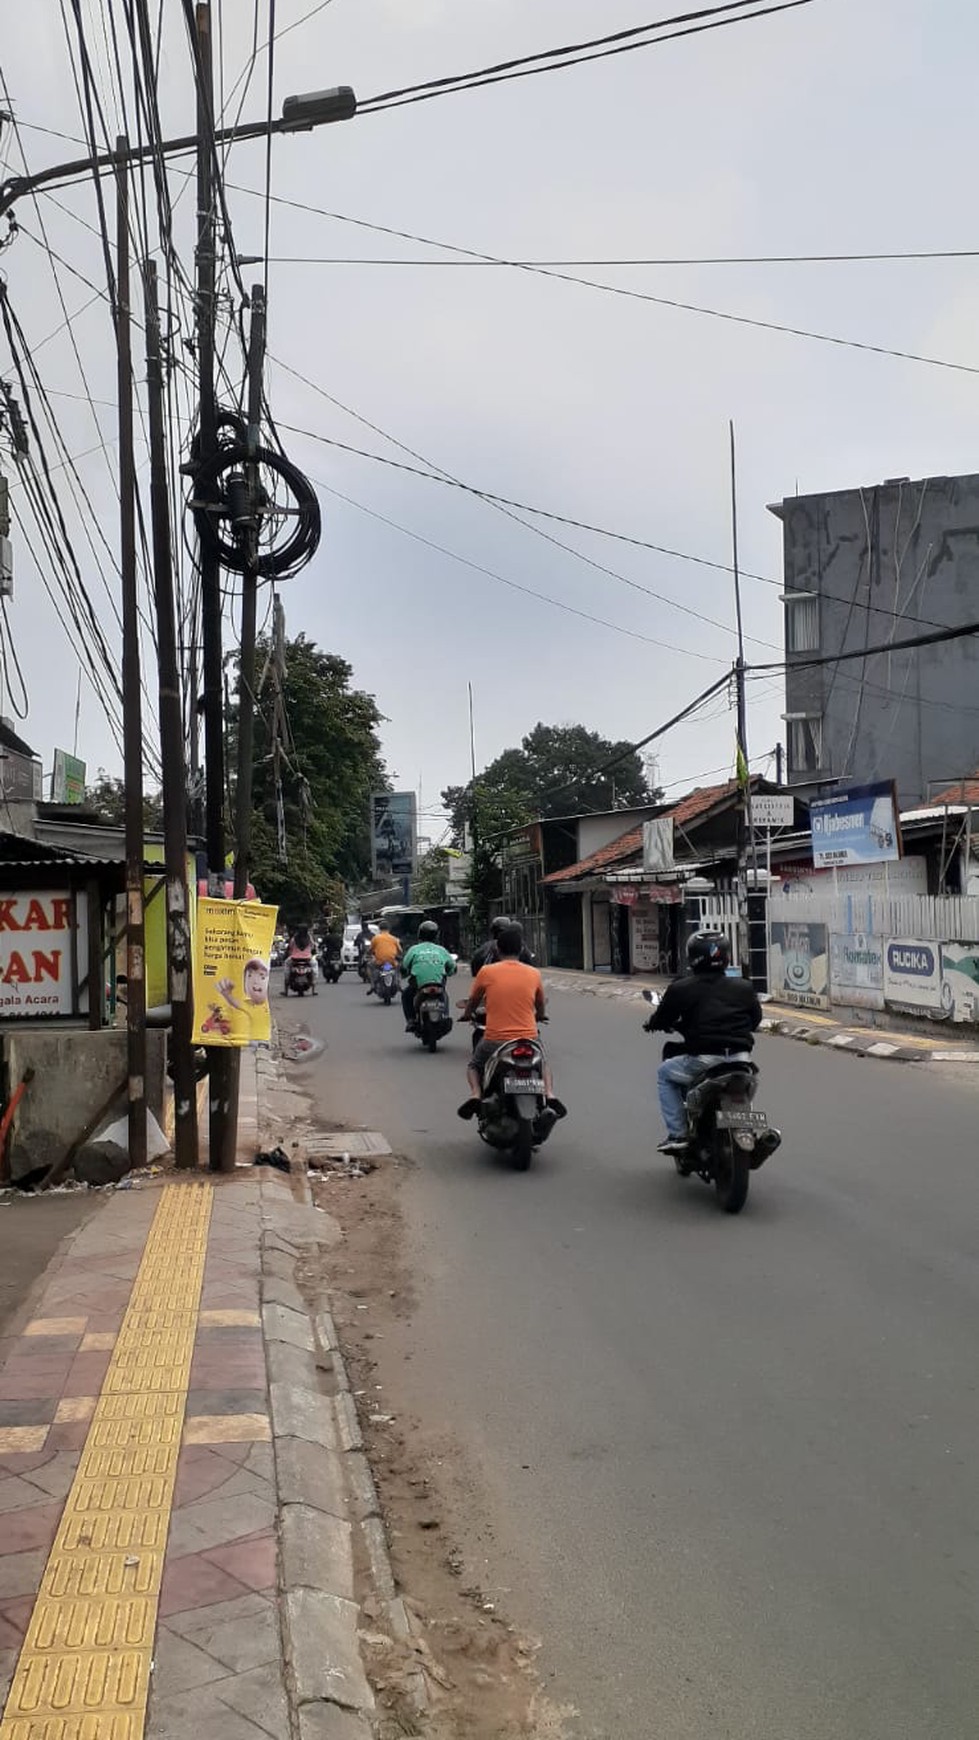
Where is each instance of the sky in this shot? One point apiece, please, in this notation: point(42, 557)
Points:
point(841, 126)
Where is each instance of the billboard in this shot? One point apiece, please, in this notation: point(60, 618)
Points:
point(393, 834)
point(913, 975)
point(859, 826)
point(857, 969)
point(960, 980)
point(798, 970)
point(68, 779)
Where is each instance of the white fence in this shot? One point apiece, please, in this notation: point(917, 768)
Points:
point(916, 953)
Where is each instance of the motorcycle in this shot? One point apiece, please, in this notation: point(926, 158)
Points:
point(513, 1113)
point(432, 1018)
point(298, 976)
point(728, 1137)
point(384, 981)
point(331, 966)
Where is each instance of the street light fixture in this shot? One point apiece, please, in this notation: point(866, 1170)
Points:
point(299, 114)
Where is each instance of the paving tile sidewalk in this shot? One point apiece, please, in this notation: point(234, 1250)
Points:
point(812, 1028)
point(226, 1650)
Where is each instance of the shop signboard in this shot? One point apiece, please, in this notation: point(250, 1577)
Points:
point(41, 940)
point(772, 810)
point(913, 975)
point(906, 876)
point(798, 969)
point(858, 826)
point(645, 940)
point(960, 980)
point(68, 779)
point(658, 844)
point(856, 970)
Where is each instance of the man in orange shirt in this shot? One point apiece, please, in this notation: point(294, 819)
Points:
point(514, 997)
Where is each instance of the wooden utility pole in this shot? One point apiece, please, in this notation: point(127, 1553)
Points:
point(131, 704)
point(249, 598)
point(746, 832)
point(172, 753)
point(222, 1071)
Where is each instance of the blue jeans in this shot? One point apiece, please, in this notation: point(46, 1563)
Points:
point(673, 1078)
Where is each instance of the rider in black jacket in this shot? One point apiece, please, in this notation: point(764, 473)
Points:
point(715, 1014)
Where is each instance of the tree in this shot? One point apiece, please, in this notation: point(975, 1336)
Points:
point(325, 735)
point(557, 771)
point(107, 797)
point(428, 886)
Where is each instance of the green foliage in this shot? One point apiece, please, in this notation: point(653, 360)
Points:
point(107, 797)
point(428, 886)
point(330, 766)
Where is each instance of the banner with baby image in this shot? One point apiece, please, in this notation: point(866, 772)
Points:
point(232, 949)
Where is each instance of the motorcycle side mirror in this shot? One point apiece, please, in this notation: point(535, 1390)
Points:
point(651, 997)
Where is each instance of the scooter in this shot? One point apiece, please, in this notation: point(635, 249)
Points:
point(432, 1018)
point(298, 976)
point(727, 1137)
point(331, 966)
point(513, 1112)
point(384, 981)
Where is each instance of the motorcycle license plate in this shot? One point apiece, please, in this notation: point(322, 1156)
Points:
point(733, 1118)
point(523, 1084)
point(431, 1008)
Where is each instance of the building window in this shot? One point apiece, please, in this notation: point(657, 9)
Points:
point(801, 621)
point(805, 744)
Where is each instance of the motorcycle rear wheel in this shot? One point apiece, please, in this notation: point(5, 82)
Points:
point(523, 1147)
point(732, 1173)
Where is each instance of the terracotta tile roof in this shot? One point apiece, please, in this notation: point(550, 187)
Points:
point(690, 809)
point(964, 791)
point(626, 846)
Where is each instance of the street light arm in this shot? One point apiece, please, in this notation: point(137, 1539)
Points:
point(300, 114)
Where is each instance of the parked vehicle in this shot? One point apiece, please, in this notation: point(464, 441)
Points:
point(728, 1137)
point(432, 1018)
point(348, 949)
point(513, 1115)
point(298, 975)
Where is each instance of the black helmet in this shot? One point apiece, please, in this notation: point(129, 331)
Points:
point(428, 930)
point(708, 952)
point(509, 941)
point(500, 923)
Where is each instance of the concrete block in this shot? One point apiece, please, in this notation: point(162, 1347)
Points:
point(289, 1365)
point(293, 1327)
point(276, 1291)
point(317, 1551)
point(301, 1413)
point(348, 1425)
point(75, 1073)
point(306, 1474)
point(363, 1492)
point(323, 1649)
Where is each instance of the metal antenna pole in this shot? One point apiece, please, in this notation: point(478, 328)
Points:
point(131, 704)
point(172, 753)
point(746, 832)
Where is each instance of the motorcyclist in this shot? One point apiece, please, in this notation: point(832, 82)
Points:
point(716, 1016)
point(489, 950)
point(301, 949)
point(362, 941)
point(425, 963)
point(513, 993)
point(383, 948)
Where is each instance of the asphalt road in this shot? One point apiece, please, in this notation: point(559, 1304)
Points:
point(730, 1463)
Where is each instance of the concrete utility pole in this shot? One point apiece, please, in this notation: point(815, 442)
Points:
point(249, 596)
point(131, 704)
point(746, 832)
point(172, 754)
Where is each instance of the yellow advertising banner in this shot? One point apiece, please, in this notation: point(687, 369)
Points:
point(232, 946)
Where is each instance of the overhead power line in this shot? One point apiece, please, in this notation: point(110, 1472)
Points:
point(620, 290)
point(618, 260)
point(579, 53)
point(866, 652)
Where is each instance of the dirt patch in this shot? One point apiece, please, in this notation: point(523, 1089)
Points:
point(478, 1670)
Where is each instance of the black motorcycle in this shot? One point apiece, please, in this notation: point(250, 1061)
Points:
point(432, 1018)
point(513, 1114)
point(298, 976)
point(331, 966)
point(728, 1138)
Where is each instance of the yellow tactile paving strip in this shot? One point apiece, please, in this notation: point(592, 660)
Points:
point(84, 1669)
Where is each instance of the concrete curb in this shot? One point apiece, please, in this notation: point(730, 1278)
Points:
point(866, 1042)
point(329, 1517)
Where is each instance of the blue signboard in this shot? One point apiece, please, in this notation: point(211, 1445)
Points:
point(859, 826)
